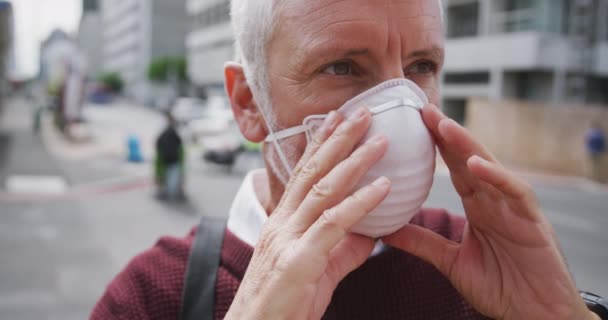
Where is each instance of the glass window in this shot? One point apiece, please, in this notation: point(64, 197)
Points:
point(463, 20)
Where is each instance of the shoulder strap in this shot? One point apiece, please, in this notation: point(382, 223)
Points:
point(198, 296)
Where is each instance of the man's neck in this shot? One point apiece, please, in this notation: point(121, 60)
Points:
point(268, 190)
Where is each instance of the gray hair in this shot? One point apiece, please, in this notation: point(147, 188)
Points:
point(253, 25)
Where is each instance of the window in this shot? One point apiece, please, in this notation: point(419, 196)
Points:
point(463, 20)
point(213, 15)
point(482, 77)
point(512, 5)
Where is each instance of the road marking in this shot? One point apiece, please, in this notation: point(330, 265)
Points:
point(92, 189)
point(27, 184)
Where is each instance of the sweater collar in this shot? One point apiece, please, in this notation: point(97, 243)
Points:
point(247, 216)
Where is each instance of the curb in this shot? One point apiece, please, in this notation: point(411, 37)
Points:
point(86, 190)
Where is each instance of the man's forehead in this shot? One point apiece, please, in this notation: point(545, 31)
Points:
point(311, 25)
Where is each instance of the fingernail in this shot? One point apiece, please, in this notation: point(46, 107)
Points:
point(330, 122)
point(358, 115)
point(381, 182)
point(377, 139)
point(442, 127)
point(481, 161)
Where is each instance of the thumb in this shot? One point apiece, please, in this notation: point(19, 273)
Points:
point(426, 245)
point(348, 255)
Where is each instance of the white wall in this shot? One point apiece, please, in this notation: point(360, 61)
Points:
point(90, 40)
point(601, 59)
point(208, 50)
point(522, 50)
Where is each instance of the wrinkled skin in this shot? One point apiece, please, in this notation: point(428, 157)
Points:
point(322, 53)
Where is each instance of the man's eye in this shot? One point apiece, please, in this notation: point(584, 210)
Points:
point(339, 69)
point(423, 67)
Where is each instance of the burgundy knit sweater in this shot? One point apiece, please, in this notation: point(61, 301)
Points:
point(390, 285)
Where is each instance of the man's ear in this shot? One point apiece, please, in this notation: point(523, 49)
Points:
point(247, 114)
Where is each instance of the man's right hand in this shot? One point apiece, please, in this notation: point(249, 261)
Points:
point(305, 249)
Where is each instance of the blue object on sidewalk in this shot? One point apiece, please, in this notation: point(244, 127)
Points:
point(134, 149)
point(596, 141)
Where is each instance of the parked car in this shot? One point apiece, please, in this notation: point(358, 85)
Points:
point(187, 109)
point(216, 119)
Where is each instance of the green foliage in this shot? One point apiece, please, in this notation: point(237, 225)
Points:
point(112, 81)
point(161, 69)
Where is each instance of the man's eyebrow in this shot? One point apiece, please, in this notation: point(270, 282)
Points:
point(436, 53)
point(328, 53)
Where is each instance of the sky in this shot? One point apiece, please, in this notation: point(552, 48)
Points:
point(34, 20)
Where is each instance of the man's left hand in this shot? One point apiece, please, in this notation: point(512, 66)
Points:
point(508, 265)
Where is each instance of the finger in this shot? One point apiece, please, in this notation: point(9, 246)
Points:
point(512, 187)
point(426, 245)
point(338, 183)
point(348, 255)
point(460, 143)
point(455, 145)
point(333, 120)
point(334, 223)
point(431, 115)
point(335, 149)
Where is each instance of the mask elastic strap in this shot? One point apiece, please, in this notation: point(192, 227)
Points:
point(272, 138)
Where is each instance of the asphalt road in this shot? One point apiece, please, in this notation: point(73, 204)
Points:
point(58, 254)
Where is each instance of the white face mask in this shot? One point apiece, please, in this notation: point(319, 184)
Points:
point(409, 161)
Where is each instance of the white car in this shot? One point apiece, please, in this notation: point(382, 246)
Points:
point(187, 109)
point(215, 119)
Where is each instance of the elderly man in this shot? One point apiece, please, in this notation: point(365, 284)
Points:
point(288, 250)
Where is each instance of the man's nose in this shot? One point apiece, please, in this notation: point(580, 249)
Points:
point(390, 69)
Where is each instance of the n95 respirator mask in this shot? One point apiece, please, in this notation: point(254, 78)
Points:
point(409, 161)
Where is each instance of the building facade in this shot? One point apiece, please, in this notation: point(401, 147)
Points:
point(533, 50)
point(134, 33)
point(7, 50)
point(209, 44)
point(90, 36)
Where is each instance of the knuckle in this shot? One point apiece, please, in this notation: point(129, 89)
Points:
point(317, 140)
point(343, 131)
point(329, 222)
point(356, 197)
point(321, 190)
point(268, 238)
point(309, 170)
point(285, 261)
point(528, 192)
point(527, 189)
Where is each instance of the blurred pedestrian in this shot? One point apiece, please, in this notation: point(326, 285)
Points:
point(169, 164)
point(596, 147)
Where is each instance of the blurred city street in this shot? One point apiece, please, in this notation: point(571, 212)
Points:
point(73, 214)
point(60, 250)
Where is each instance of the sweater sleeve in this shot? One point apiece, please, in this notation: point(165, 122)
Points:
point(150, 287)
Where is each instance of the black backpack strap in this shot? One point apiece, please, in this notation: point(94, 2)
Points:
point(198, 296)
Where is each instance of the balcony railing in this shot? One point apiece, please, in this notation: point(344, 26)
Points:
point(514, 21)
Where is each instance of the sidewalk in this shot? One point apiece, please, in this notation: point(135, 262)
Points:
point(541, 178)
point(23, 159)
point(110, 126)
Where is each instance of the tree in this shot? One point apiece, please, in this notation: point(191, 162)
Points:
point(112, 81)
point(161, 69)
